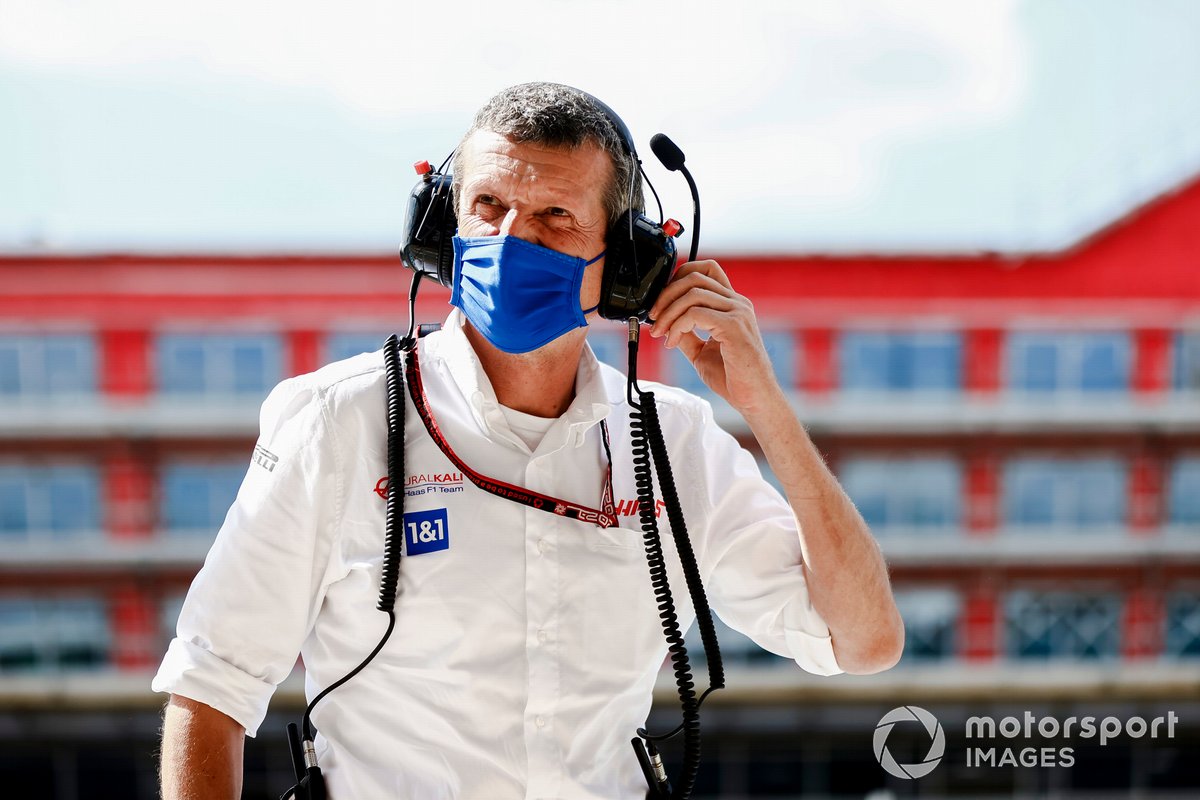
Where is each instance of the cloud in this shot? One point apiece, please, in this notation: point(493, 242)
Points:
point(805, 122)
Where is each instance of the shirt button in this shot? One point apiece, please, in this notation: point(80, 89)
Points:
point(542, 636)
point(541, 545)
point(540, 721)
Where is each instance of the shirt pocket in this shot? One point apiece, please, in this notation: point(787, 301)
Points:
point(618, 622)
point(620, 539)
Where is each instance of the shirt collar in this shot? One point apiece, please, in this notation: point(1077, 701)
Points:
point(597, 389)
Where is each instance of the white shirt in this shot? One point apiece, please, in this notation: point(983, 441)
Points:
point(526, 650)
point(531, 429)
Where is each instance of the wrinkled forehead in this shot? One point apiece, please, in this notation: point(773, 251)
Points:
point(494, 158)
point(485, 140)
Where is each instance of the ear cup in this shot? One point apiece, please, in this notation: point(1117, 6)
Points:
point(639, 257)
point(429, 227)
point(636, 267)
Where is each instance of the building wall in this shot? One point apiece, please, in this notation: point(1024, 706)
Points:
point(1022, 434)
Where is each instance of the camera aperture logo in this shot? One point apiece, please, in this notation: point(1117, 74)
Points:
point(937, 742)
point(1028, 741)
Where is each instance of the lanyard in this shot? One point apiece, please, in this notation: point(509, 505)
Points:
point(605, 517)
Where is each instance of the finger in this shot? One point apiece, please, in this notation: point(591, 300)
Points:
point(706, 267)
point(710, 320)
point(694, 297)
point(680, 285)
point(691, 274)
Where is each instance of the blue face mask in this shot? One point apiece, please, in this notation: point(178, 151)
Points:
point(519, 295)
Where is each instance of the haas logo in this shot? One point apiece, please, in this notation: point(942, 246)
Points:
point(629, 508)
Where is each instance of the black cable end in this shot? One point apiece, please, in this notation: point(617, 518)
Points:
point(652, 768)
point(293, 734)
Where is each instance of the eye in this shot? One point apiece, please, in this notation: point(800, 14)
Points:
point(487, 206)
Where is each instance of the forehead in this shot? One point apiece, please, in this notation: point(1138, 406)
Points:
point(494, 163)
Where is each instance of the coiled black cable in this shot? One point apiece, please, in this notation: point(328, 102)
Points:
point(676, 649)
point(393, 542)
point(390, 579)
point(683, 545)
point(311, 786)
point(649, 448)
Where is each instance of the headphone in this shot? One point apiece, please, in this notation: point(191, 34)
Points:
point(639, 252)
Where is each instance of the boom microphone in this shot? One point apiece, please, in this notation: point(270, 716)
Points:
point(667, 151)
point(672, 158)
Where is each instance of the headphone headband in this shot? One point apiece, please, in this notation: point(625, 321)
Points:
point(617, 123)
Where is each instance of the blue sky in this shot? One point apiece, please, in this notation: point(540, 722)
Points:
point(881, 126)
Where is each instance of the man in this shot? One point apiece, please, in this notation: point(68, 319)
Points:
point(526, 644)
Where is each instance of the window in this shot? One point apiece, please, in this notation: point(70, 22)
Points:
point(1187, 360)
point(41, 365)
point(1183, 492)
point(1069, 493)
point(196, 497)
point(52, 634)
point(930, 620)
point(1043, 625)
point(1183, 624)
point(246, 365)
point(168, 619)
point(905, 492)
point(345, 344)
point(58, 500)
point(885, 361)
point(1068, 361)
point(781, 349)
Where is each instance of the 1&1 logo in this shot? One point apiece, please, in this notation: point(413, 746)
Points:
point(937, 746)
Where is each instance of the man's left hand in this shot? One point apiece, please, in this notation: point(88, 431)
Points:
point(733, 361)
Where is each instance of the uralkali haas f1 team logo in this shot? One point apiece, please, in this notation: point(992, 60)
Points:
point(424, 483)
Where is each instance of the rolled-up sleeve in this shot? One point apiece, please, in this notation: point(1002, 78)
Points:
point(751, 554)
point(255, 600)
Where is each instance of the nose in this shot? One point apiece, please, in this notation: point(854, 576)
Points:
point(517, 224)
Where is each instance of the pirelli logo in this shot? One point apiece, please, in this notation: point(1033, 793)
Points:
point(265, 458)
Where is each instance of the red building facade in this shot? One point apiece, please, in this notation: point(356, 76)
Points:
point(1023, 435)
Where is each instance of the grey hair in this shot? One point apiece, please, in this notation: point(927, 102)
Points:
point(554, 115)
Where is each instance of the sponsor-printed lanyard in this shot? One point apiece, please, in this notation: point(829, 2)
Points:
point(605, 517)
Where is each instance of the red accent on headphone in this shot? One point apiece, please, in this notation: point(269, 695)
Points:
point(422, 168)
point(672, 228)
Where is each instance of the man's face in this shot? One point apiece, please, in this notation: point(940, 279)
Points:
point(548, 196)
